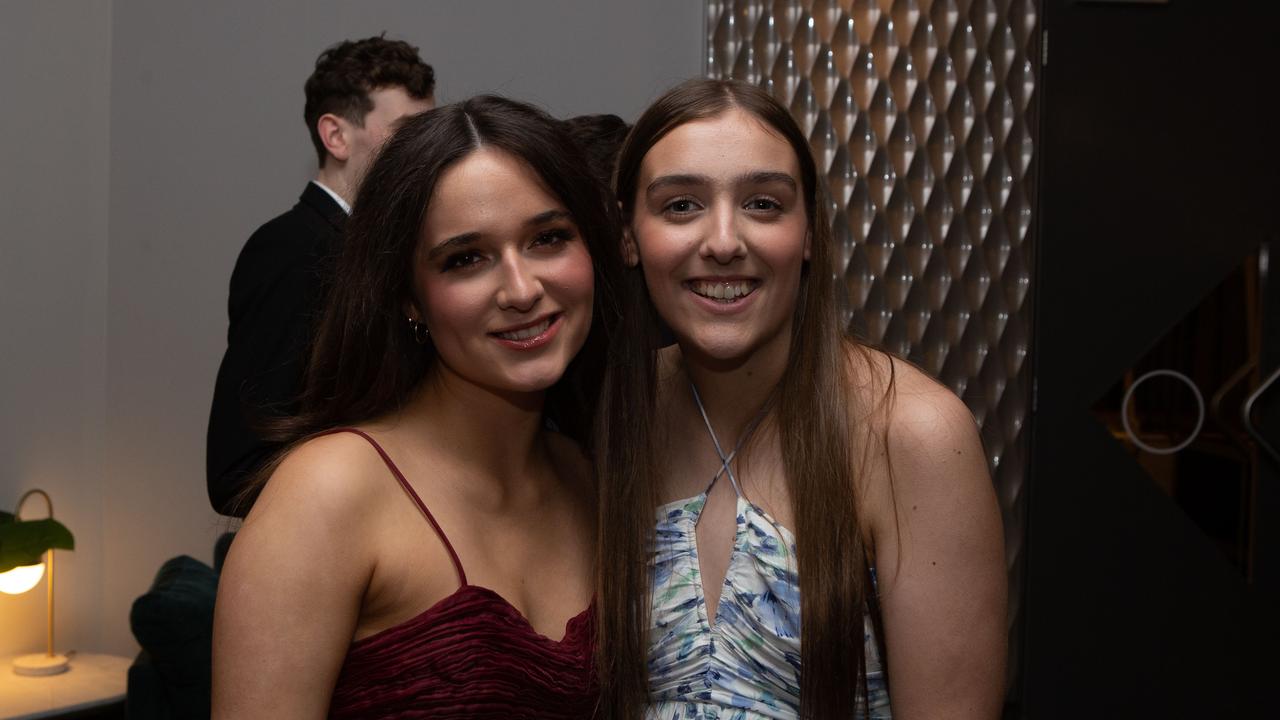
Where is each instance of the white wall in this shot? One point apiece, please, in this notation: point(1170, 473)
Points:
point(203, 102)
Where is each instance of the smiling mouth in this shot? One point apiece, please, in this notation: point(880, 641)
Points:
point(529, 331)
point(722, 291)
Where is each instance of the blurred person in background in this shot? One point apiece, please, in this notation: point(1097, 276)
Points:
point(358, 92)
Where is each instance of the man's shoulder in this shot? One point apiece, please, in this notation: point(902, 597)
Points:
point(300, 227)
point(291, 237)
point(294, 244)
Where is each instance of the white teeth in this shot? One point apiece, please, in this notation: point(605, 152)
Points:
point(723, 291)
point(526, 333)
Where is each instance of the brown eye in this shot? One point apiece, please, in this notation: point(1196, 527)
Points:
point(763, 205)
point(681, 206)
point(460, 260)
point(553, 237)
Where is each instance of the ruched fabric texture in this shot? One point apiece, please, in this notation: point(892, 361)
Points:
point(472, 655)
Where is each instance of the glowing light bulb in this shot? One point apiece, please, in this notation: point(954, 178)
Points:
point(21, 579)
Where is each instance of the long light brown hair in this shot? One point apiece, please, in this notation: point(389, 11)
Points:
point(813, 404)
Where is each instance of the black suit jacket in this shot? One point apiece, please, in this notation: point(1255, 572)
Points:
point(276, 291)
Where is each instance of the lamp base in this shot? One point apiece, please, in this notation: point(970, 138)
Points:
point(40, 664)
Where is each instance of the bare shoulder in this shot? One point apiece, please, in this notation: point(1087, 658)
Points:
point(927, 420)
point(333, 480)
point(907, 418)
point(317, 508)
point(918, 446)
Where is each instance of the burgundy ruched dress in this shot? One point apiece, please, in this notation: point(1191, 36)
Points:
point(471, 655)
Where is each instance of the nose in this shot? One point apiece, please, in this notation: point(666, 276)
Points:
point(722, 241)
point(520, 287)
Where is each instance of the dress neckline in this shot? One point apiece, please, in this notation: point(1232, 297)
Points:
point(463, 584)
point(701, 498)
point(493, 596)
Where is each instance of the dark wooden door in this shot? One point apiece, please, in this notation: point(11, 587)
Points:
point(1153, 579)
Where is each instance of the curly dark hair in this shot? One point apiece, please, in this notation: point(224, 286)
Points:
point(346, 73)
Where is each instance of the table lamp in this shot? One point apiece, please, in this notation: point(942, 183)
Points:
point(22, 542)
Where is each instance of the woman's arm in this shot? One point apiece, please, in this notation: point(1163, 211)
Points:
point(291, 589)
point(939, 558)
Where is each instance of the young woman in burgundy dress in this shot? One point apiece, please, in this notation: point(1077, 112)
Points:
point(425, 548)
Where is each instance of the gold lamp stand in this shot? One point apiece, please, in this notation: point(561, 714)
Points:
point(48, 662)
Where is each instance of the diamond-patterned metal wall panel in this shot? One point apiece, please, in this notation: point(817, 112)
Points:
point(921, 113)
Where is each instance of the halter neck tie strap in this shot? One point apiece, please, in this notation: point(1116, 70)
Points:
point(725, 469)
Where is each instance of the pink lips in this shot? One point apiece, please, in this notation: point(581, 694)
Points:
point(526, 341)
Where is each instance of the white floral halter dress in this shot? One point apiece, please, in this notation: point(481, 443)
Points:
point(744, 664)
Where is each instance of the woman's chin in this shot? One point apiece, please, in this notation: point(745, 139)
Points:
point(533, 381)
point(719, 350)
point(730, 347)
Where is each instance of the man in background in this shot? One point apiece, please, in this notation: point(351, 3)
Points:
point(358, 92)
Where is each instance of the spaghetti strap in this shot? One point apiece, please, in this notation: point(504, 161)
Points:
point(457, 564)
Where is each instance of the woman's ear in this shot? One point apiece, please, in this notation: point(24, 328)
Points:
point(630, 253)
point(808, 243)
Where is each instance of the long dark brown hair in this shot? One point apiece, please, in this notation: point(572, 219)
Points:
point(364, 361)
point(813, 403)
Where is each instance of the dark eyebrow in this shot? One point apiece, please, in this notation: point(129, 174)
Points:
point(460, 241)
point(547, 216)
point(456, 242)
point(665, 180)
point(760, 177)
point(765, 177)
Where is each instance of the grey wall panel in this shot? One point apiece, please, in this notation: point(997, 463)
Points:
point(54, 85)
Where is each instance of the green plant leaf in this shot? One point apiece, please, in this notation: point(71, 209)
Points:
point(23, 542)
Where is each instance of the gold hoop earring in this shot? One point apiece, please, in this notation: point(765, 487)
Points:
point(420, 332)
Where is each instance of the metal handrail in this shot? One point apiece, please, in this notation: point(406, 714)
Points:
point(1246, 413)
